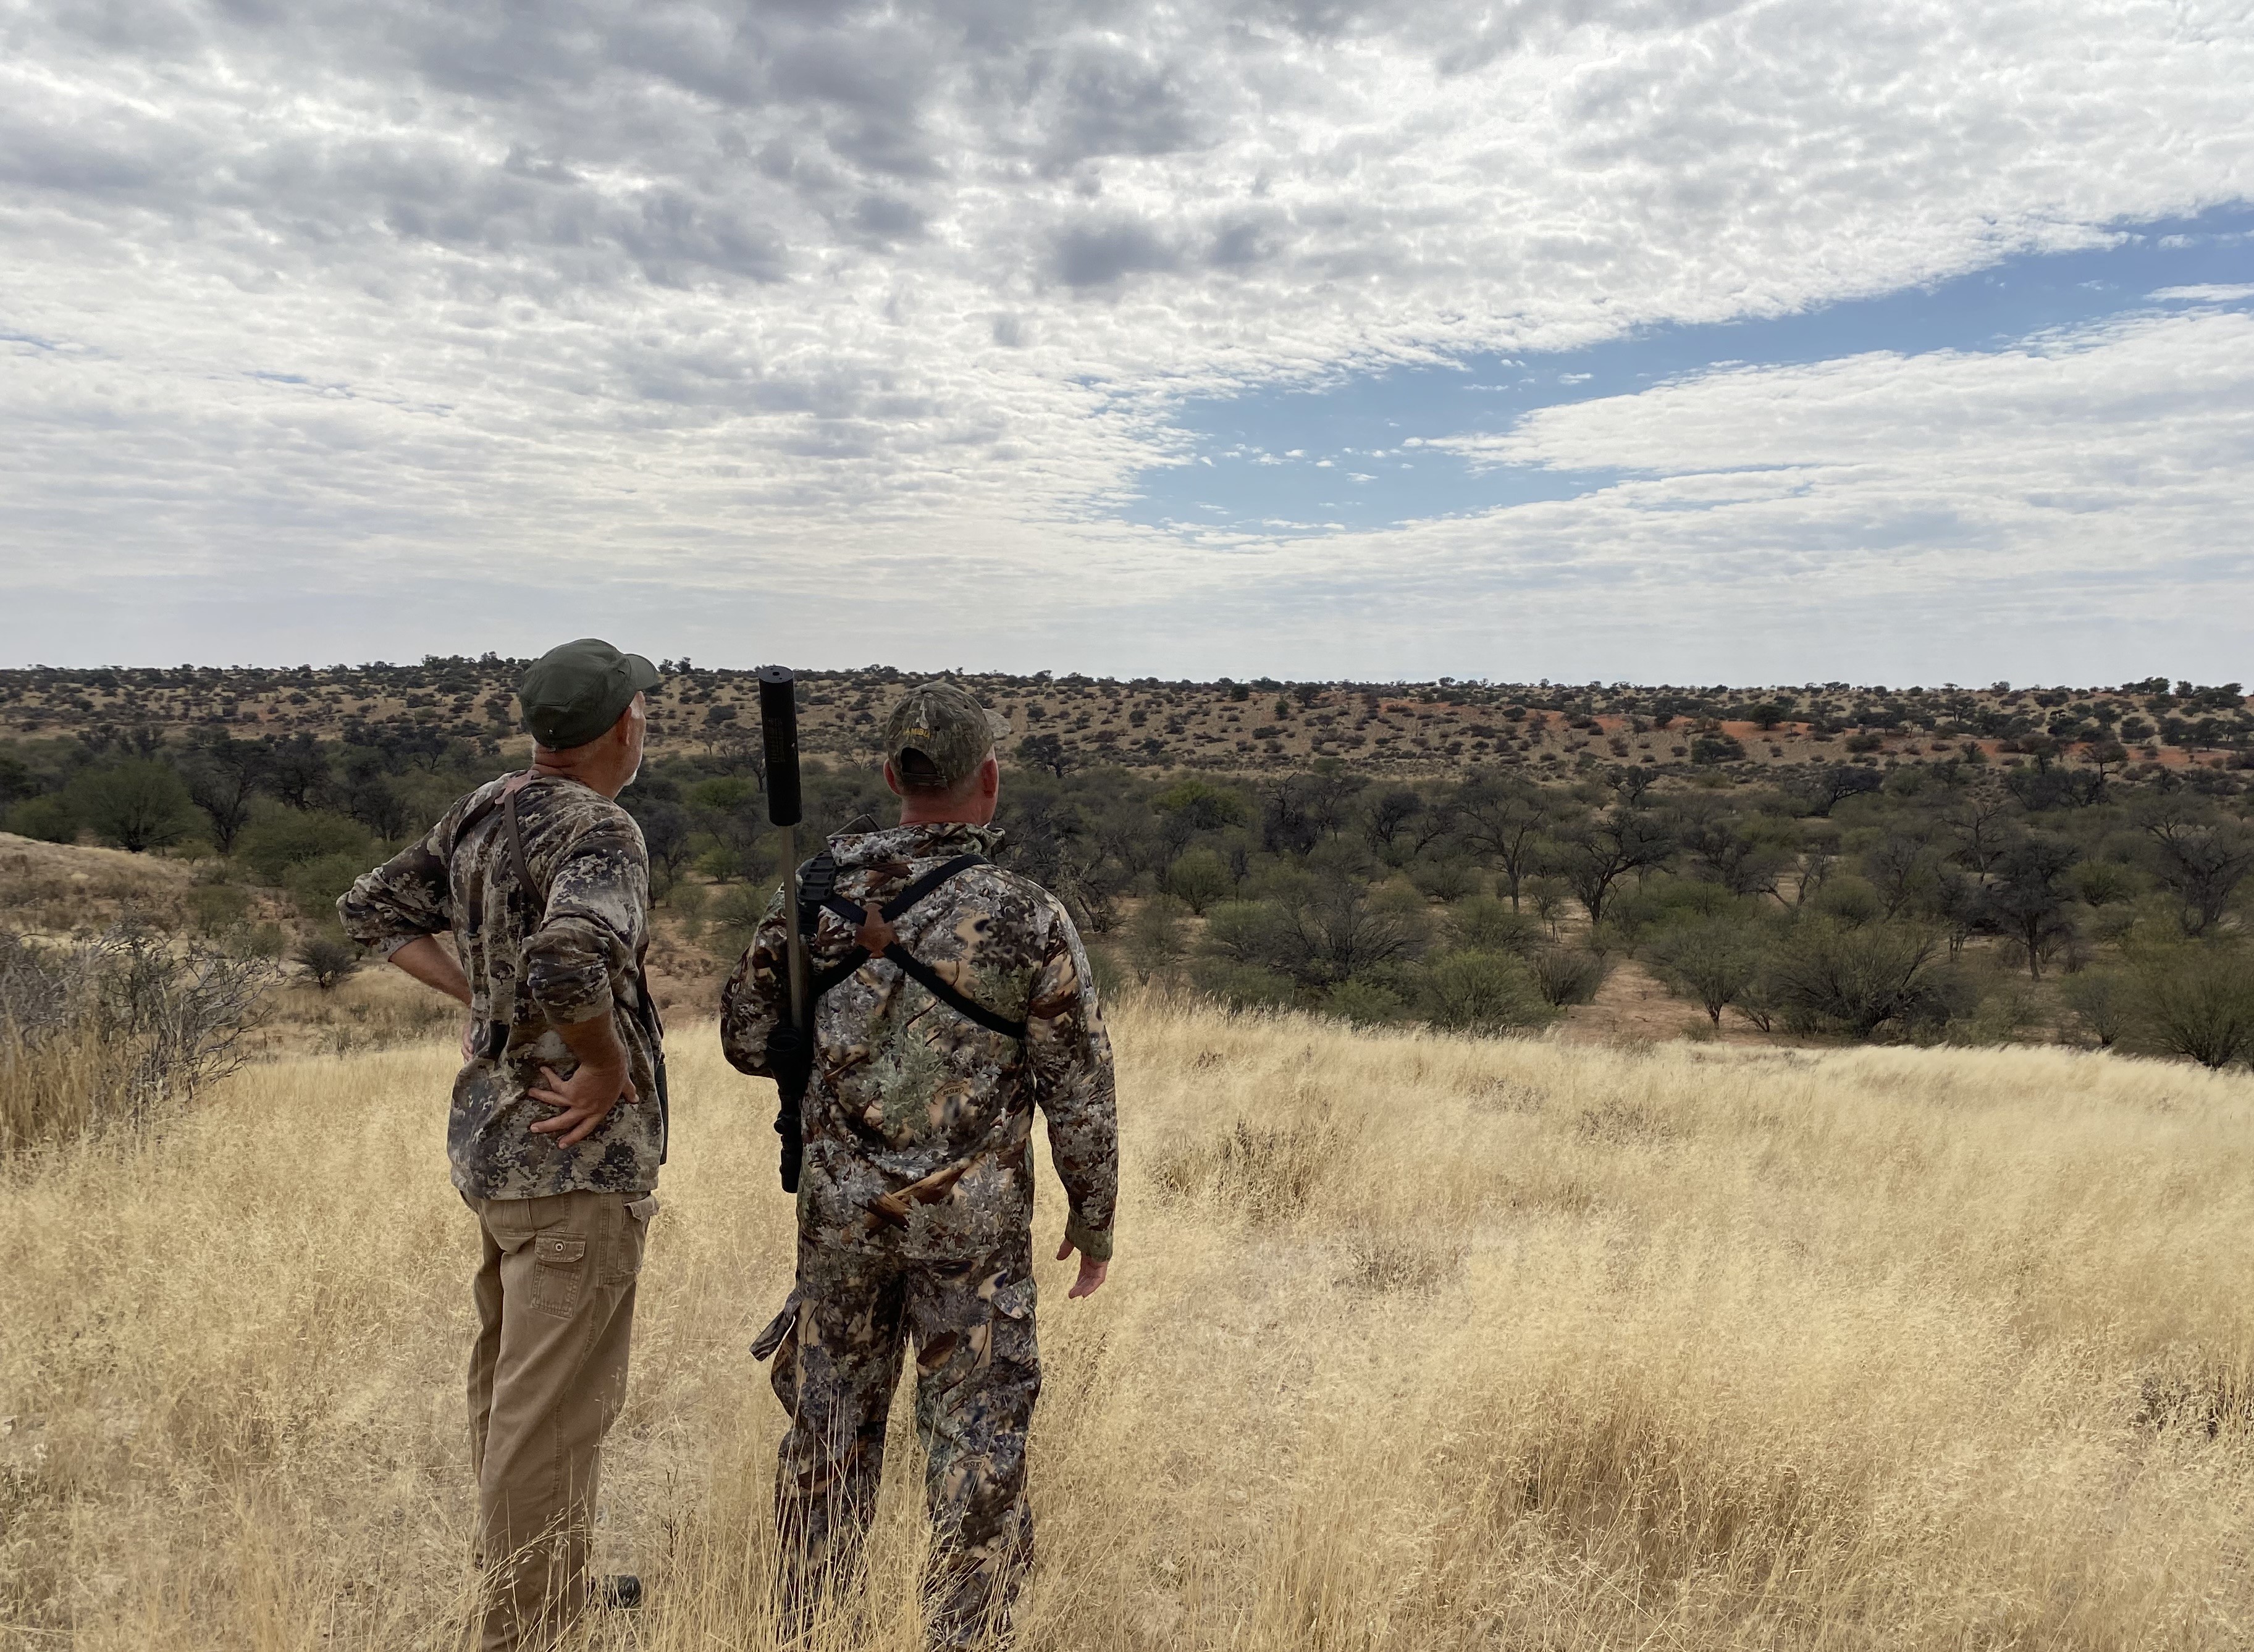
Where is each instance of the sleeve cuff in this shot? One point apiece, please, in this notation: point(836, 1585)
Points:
point(1094, 1243)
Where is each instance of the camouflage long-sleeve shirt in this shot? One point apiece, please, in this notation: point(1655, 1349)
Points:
point(918, 1121)
point(533, 966)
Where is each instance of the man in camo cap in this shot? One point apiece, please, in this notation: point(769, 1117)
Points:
point(954, 998)
point(557, 1126)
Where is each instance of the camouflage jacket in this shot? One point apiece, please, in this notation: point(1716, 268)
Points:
point(532, 968)
point(918, 1120)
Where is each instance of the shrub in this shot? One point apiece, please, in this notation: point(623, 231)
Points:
point(1446, 880)
point(1563, 975)
point(2197, 1002)
point(689, 903)
point(47, 820)
point(109, 1031)
point(215, 909)
point(1482, 992)
point(1713, 963)
point(326, 959)
point(1831, 977)
point(1199, 879)
point(1849, 900)
point(315, 885)
point(1154, 938)
point(1243, 986)
point(1365, 1003)
point(139, 804)
point(1482, 923)
point(2100, 1002)
point(284, 838)
point(735, 918)
point(2104, 883)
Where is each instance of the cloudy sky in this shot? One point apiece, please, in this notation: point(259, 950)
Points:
point(1645, 339)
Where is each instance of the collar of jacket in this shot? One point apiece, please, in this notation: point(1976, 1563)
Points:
point(920, 842)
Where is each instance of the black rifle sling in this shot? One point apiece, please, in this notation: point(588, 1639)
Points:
point(913, 967)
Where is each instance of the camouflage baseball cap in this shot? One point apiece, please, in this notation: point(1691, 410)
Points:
point(572, 695)
point(937, 735)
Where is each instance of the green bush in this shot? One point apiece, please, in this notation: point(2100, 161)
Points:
point(1565, 974)
point(1154, 938)
point(48, 819)
point(1481, 923)
point(1481, 992)
point(1849, 900)
point(736, 917)
point(1446, 880)
point(689, 903)
point(2099, 1003)
point(1713, 962)
point(325, 959)
point(1832, 977)
point(2104, 883)
point(724, 793)
point(315, 885)
point(139, 804)
point(283, 837)
point(1365, 1003)
point(2197, 1002)
point(1199, 879)
point(216, 909)
point(1243, 986)
point(1666, 902)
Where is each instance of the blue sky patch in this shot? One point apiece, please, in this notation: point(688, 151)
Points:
point(1338, 455)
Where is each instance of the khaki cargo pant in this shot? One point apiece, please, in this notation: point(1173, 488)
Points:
point(555, 1295)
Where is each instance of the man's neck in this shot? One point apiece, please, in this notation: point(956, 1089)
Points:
point(542, 771)
point(911, 817)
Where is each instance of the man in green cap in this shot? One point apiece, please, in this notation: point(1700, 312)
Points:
point(952, 999)
point(558, 1122)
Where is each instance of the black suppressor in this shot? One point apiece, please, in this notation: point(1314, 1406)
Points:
point(778, 734)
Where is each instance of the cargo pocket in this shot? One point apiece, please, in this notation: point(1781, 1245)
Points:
point(559, 1269)
point(781, 1325)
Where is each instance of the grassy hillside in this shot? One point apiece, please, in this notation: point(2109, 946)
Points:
point(1413, 1343)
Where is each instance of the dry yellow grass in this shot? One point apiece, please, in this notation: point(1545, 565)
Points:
point(1412, 1343)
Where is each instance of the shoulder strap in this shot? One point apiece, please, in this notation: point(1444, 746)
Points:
point(516, 849)
point(915, 968)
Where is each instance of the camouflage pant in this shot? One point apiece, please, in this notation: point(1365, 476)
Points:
point(836, 1365)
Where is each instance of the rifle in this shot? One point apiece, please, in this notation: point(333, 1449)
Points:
point(790, 1049)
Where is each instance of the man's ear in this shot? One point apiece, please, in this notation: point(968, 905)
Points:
point(990, 776)
point(892, 780)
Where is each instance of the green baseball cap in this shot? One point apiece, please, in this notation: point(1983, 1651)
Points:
point(937, 735)
point(572, 695)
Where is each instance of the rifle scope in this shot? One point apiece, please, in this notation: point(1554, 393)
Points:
point(778, 736)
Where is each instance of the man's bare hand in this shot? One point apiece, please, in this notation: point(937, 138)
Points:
point(587, 1098)
point(1092, 1273)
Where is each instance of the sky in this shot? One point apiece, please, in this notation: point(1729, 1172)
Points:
point(1586, 339)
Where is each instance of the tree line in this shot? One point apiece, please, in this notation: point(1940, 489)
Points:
point(1953, 897)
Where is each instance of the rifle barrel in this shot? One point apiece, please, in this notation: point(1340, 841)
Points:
point(779, 737)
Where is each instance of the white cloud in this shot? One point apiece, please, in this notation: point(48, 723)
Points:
point(321, 302)
point(2209, 294)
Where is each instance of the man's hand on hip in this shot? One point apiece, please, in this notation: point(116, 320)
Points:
point(1092, 1273)
point(587, 1098)
point(599, 1082)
